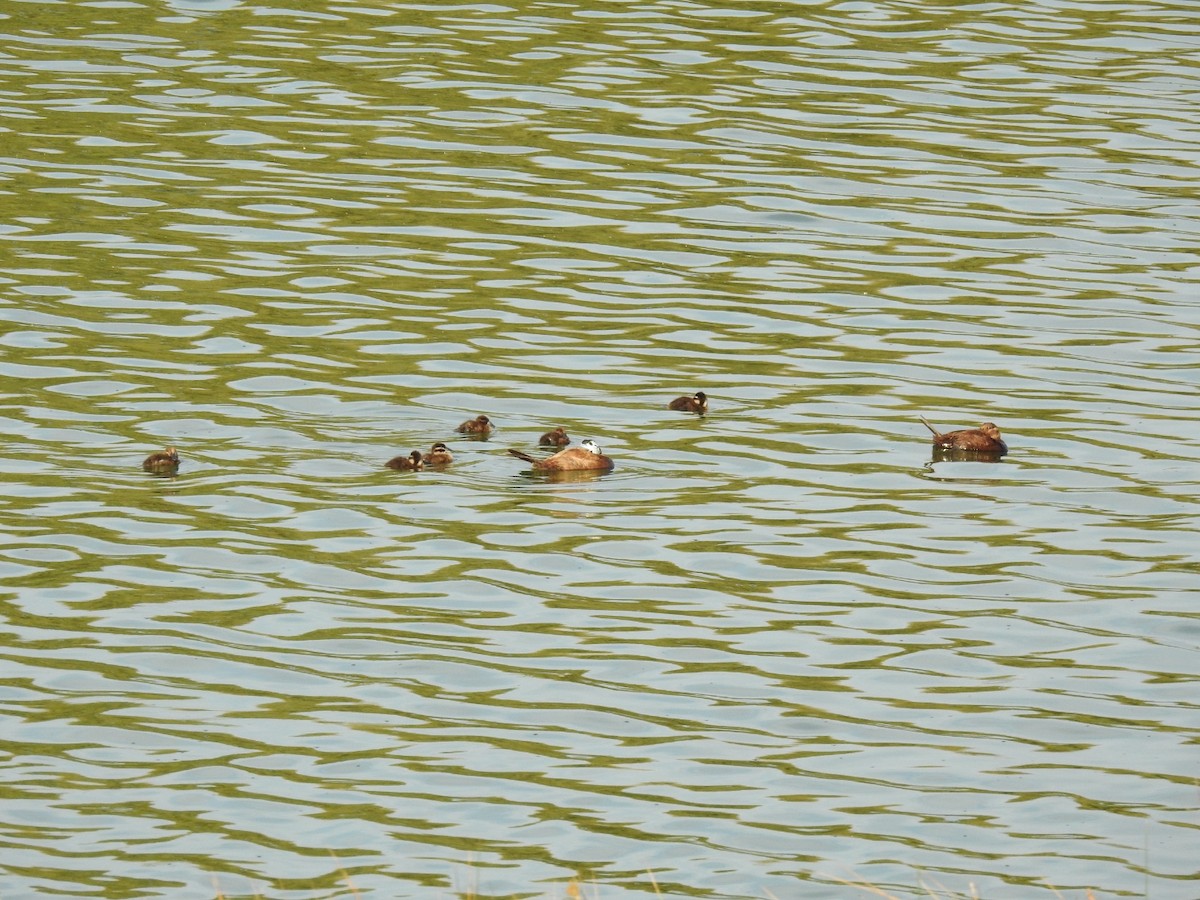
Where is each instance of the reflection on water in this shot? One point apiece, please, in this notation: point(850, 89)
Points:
point(953, 454)
point(779, 644)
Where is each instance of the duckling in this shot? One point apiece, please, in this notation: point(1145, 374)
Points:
point(586, 456)
point(984, 439)
point(556, 438)
point(439, 455)
point(411, 463)
point(162, 462)
point(481, 425)
point(697, 403)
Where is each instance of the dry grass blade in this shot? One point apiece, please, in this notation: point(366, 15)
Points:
point(346, 877)
point(657, 892)
point(863, 886)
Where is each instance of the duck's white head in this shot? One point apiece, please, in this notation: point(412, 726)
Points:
point(590, 445)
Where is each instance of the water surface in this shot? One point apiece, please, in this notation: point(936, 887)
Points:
point(778, 646)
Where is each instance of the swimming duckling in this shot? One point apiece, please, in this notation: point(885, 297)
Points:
point(439, 455)
point(586, 456)
point(984, 439)
point(556, 438)
point(479, 425)
point(697, 403)
point(411, 463)
point(162, 462)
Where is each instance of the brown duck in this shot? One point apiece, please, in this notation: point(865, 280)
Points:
point(697, 403)
point(585, 457)
point(410, 463)
point(478, 425)
point(162, 462)
point(439, 455)
point(556, 438)
point(984, 439)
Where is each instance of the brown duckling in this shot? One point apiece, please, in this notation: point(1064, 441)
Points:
point(162, 462)
point(439, 455)
point(410, 463)
point(585, 457)
point(984, 439)
point(556, 438)
point(479, 425)
point(697, 403)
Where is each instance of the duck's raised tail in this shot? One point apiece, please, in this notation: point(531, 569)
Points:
point(930, 427)
point(525, 456)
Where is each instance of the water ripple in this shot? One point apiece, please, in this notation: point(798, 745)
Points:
point(779, 644)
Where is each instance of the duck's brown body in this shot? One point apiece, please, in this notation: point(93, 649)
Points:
point(573, 459)
point(162, 462)
point(480, 425)
point(556, 438)
point(412, 463)
point(439, 455)
point(984, 439)
point(697, 403)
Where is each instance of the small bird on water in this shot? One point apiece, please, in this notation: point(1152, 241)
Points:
point(586, 457)
point(481, 425)
point(410, 463)
point(697, 403)
point(439, 455)
point(162, 462)
point(556, 438)
point(984, 439)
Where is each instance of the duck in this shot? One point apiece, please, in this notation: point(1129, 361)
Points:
point(478, 425)
point(984, 439)
point(162, 462)
point(586, 457)
point(411, 463)
point(439, 455)
point(697, 403)
point(556, 438)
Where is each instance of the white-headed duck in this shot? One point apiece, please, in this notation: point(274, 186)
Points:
point(585, 457)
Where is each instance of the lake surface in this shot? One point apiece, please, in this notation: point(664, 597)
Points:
point(779, 647)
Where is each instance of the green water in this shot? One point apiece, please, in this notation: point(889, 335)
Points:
point(778, 646)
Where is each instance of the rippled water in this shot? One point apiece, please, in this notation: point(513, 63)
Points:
point(778, 646)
